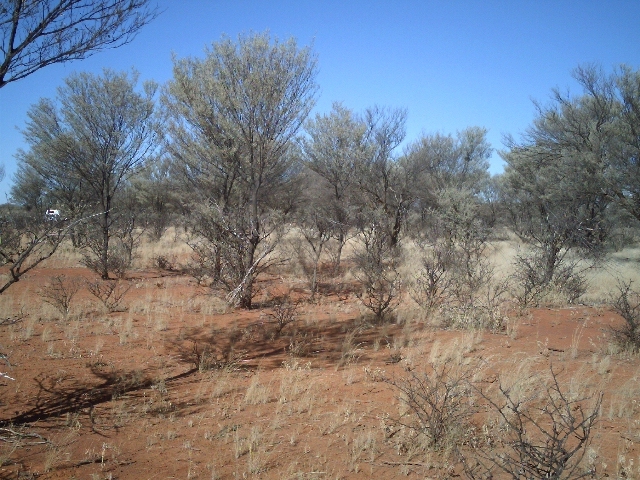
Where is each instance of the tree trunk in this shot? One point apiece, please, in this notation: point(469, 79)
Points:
point(550, 263)
point(254, 240)
point(217, 264)
point(397, 226)
point(104, 254)
point(336, 264)
point(314, 276)
point(246, 294)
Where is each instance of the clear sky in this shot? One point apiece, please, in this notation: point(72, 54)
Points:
point(451, 63)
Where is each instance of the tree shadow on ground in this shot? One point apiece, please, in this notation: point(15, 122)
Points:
point(56, 398)
point(260, 344)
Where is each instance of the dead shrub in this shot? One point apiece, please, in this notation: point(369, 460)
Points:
point(109, 292)
point(543, 433)
point(285, 312)
point(206, 358)
point(59, 292)
point(438, 406)
point(301, 345)
point(431, 284)
point(351, 348)
point(165, 263)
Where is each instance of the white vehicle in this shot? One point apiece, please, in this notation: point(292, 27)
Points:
point(52, 215)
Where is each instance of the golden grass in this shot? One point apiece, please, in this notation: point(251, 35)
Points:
point(172, 246)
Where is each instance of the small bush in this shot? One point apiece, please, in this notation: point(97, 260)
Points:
point(539, 433)
point(430, 287)
point(377, 263)
point(59, 292)
point(109, 292)
point(627, 305)
point(536, 279)
point(438, 404)
point(164, 263)
point(285, 312)
point(206, 358)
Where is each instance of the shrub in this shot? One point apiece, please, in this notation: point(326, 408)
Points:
point(208, 358)
point(536, 279)
point(438, 404)
point(431, 286)
point(109, 292)
point(377, 270)
point(285, 312)
point(455, 275)
point(627, 305)
point(164, 263)
point(59, 292)
point(540, 433)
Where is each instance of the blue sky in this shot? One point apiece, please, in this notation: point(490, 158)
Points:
point(452, 64)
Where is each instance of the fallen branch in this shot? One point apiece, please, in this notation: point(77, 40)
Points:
point(17, 436)
point(13, 319)
point(411, 464)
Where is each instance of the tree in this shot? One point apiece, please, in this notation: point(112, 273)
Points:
point(333, 147)
point(355, 157)
point(154, 189)
point(598, 129)
point(553, 189)
point(90, 143)
point(383, 184)
point(233, 117)
point(442, 162)
point(449, 182)
point(620, 95)
point(377, 260)
point(37, 33)
point(42, 182)
point(575, 171)
point(314, 219)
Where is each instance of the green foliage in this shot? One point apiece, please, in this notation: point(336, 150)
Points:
point(155, 191)
point(557, 188)
point(571, 174)
point(83, 150)
point(439, 162)
point(333, 147)
point(232, 118)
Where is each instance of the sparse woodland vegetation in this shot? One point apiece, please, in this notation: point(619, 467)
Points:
point(238, 288)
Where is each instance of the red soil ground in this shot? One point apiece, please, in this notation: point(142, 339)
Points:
point(120, 395)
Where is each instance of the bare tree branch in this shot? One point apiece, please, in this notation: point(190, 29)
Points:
point(34, 34)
